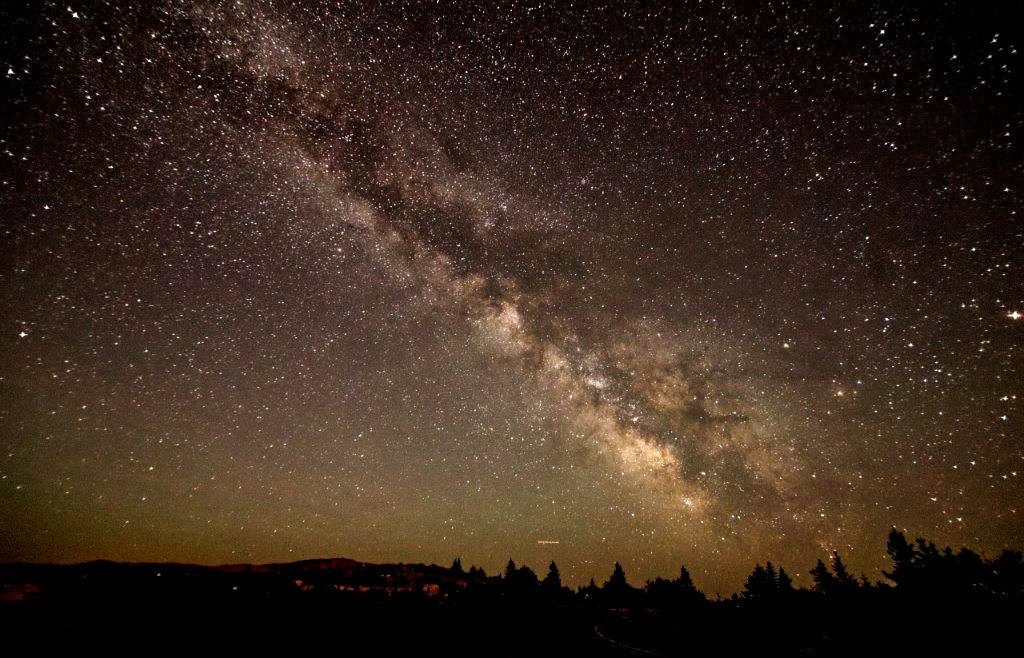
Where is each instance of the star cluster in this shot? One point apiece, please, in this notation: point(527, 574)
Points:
point(403, 281)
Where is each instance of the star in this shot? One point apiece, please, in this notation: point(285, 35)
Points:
point(1015, 315)
point(22, 333)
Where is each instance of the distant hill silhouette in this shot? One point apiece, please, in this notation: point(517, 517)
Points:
point(21, 581)
point(932, 601)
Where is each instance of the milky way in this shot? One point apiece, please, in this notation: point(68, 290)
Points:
point(404, 282)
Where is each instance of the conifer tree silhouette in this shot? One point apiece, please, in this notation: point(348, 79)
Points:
point(761, 583)
point(616, 590)
point(843, 580)
point(824, 581)
point(785, 583)
point(552, 582)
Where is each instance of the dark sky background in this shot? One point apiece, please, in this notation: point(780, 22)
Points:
point(702, 283)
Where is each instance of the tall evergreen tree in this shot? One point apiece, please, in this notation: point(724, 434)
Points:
point(905, 559)
point(843, 580)
point(785, 583)
point(824, 581)
point(616, 590)
point(618, 578)
point(760, 583)
point(553, 581)
point(684, 579)
point(754, 583)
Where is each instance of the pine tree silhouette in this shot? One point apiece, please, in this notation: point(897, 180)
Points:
point(761, 583)
point(843, 580)
point(785, 583)
point(824, 581)
point(684, 579)
point(905, 560)
point(616, 590)
point(552, 582)
point(618, 578)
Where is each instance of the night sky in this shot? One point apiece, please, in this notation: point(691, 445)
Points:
point(702, 284)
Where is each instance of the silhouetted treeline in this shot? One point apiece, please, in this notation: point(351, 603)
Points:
point(930, 602)
point(918, 568)
point(929, 599)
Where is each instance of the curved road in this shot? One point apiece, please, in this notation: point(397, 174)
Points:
point(597, 630)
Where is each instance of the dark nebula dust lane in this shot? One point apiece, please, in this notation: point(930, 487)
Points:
point(652, 283)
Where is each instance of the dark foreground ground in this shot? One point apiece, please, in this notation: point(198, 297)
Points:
point(344, 610)
point(351, 628)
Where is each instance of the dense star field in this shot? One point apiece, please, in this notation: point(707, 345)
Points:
point(703, 283)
